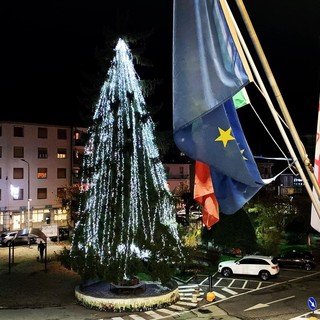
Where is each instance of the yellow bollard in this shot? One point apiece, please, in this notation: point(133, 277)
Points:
point(210, 296)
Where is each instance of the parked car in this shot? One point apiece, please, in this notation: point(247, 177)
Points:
point(297, 259)
point(8, 238)
point(3, 235)
point(262, 266)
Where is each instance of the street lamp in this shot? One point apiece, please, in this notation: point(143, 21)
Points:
point(29, 200)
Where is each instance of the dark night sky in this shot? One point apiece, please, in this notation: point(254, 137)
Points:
point(46, 45)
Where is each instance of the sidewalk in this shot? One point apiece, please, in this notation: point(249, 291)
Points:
point(35, 291)
point(29, 282)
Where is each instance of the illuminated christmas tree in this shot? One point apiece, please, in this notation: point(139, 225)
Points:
point(127, 221)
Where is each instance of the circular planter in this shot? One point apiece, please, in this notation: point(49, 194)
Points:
point(100, 296)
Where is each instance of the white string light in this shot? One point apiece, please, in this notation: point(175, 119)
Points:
point(128, 192)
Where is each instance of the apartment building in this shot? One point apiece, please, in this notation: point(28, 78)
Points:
point(178, 175)
point(36, 165)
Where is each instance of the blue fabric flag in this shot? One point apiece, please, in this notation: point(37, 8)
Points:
point(208, 69)
point(218, 140)
point(208, 63)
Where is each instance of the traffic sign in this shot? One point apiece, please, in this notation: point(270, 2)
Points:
point(312, 303)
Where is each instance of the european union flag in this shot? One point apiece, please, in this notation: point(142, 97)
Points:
point(209, 68)
point(218, 140)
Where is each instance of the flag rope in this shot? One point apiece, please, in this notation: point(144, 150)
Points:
point(282, 105)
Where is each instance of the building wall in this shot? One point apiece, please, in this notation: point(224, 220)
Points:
point(178, 175)
point(43, 208)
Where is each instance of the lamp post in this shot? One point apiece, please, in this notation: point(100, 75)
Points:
point(28, 213)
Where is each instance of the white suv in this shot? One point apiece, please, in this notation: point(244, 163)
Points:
point(262, 266)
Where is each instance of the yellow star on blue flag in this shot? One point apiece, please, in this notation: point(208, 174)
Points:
point(225, 136)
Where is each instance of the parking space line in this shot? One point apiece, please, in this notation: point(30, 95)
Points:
point(217, 283)
point(232, 282)
point(245, 284)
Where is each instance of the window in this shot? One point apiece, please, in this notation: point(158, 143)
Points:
point(61, 153)
point(17, 173)
point(0, 195)
point(0, 131)
point(297, 181)
point(18, 152)
point(18, 132)
point(18, 195)
point(62, 134)
point(42, 193)
point(42, 153)
point(0, 151)
point(61, 193)
point(42, 133)
point(42, 173)
point(61, 173)
point(0, 173)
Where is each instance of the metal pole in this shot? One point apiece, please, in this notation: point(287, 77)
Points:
point(286, 115)
point(28, 212)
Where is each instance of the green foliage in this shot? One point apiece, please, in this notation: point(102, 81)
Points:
point(227, 258)
point(232, 231)
point(197, 261)
point(267, 216)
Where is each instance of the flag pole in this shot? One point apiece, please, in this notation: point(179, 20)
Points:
point(283, 108)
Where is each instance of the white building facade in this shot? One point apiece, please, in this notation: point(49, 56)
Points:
point(37, 163)
point(35, 166)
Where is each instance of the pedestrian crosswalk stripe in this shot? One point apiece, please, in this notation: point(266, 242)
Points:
point(189, 289)
point(189, 299)
point(193, 286)
point(176, 307)
point(136, 317)
point(185, 303)
point(186, 294)
point(166, 311)
point(154, 315)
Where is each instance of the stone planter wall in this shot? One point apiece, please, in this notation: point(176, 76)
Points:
point(127, 303)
